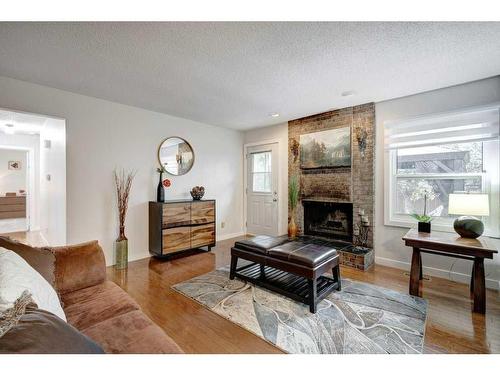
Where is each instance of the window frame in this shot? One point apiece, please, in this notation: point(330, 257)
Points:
point(489, 183)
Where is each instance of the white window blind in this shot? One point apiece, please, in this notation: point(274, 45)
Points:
point(471, 125)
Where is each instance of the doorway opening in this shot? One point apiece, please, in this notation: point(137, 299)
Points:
point(32, 178)
point(15, 176)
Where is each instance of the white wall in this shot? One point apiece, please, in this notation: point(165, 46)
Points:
point(53, 181)
point(272, 133)
point(13, 180)
point(101, 135)
point(389, 249)
point(31, 143)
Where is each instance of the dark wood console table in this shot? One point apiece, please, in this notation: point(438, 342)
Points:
point(451, 245)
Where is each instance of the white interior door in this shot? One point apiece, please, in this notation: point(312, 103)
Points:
point(262, 189)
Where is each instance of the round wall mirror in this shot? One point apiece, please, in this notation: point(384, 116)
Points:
point(176, 156)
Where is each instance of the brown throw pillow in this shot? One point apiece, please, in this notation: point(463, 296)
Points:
point(40, 332)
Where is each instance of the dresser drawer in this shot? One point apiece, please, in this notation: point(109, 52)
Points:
point(202, 212)
point(176, 239)
point(202, 235)
point(12, 200)
point(176, 214)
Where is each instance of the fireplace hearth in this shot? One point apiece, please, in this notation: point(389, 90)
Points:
point(332, 220)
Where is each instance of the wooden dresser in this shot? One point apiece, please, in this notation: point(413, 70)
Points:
point(12, 207)
point(180, 225)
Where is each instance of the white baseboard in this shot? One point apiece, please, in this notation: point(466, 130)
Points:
point(436, 272)
point(223, 237)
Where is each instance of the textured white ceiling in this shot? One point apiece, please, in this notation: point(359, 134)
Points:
point(236, 74)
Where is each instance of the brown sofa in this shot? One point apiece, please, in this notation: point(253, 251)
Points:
point(98, 308)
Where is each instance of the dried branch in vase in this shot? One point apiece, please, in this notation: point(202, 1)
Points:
point(123, 183)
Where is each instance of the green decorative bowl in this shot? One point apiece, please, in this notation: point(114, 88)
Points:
point(468, 226)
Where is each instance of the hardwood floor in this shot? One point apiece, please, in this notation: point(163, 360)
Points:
point(451, 325)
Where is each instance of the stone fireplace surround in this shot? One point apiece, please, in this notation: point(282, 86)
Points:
point(338, 187)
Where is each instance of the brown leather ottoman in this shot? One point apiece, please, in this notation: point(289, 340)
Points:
point(293, 268)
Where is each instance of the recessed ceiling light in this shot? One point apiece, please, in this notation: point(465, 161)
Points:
point(274, 114)
point(348, 93)
point(9, 129)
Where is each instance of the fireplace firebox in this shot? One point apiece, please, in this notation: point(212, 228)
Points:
point(328, 219)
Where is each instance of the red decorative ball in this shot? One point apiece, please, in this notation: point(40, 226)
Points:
point(166, 182)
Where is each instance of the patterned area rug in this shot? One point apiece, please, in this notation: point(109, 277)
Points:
point(361, 319)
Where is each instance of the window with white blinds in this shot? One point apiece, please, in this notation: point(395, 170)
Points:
point(438, 155)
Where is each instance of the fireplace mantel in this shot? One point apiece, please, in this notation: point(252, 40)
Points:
point(325, 200)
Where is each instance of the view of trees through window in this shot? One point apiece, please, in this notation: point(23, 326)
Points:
point(436, 172)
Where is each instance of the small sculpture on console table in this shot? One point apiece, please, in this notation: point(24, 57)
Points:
point(197, 192)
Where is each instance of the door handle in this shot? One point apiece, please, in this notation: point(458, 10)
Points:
point(275, 199)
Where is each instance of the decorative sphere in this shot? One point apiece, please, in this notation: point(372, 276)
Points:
point(468, 226)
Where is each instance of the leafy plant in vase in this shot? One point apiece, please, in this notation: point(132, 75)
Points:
point(123, 183)
point(293, 200)
point(424, 220)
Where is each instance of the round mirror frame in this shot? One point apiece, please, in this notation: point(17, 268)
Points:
point(159, 159)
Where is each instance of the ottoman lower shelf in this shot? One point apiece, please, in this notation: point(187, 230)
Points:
point(287, 284)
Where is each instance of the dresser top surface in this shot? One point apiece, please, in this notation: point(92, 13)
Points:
point(184, 201)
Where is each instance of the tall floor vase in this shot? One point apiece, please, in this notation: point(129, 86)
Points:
point(292, 227)
point(121, 245)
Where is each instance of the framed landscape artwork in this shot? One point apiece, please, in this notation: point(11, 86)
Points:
point(326, 149)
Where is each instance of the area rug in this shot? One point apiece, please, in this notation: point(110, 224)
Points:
point(360, 319)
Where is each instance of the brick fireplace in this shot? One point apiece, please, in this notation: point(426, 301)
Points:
point(337, 202)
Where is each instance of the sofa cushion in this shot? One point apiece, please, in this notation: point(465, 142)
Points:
point(78, 266)
point(87, 307)
point(132, 332)
point(308, 254)
point(40, 332)
point(260, 244)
